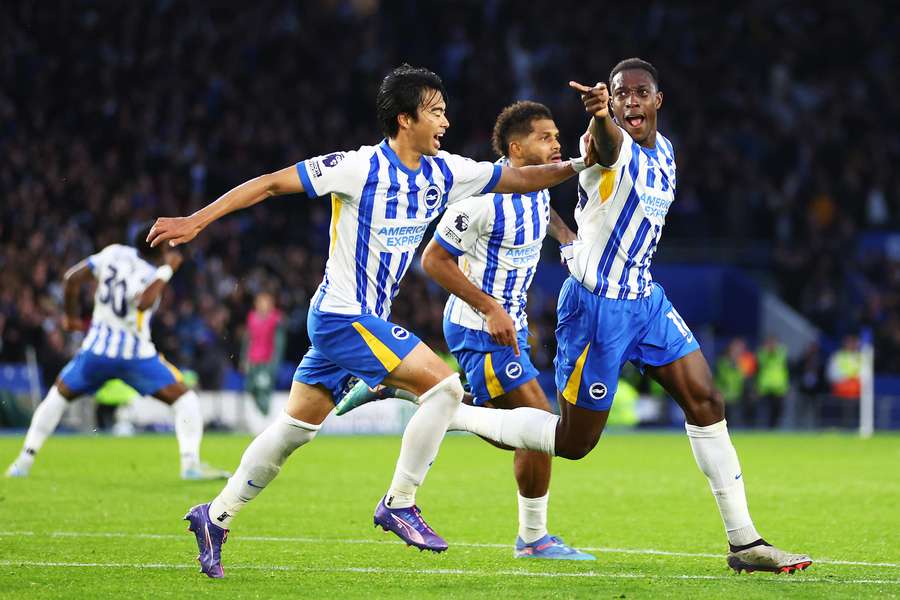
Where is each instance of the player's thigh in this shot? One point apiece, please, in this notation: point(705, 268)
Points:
point(171, 393)
point(309, 403)
point(419, 371)
point(153, 376)
point(579, 429)
point(690, 383)
point(84, 374)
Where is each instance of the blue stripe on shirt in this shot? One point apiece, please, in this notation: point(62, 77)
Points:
point(120, 350)
point(306, 181)
point(511, 277)
point(448, 180)
point(636, 245)
point(520, 219)
point(492, 183)
point(645, 260)
point(366, 207)
point(412, 196)
point(615, 239)
point(494, 243)
point(535, 217)
point(393, 193)
point(428, 173)
point(401, 271)
point(384, 268)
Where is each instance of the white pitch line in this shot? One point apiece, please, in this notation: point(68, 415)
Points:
point(312, 540)
point(799, 580)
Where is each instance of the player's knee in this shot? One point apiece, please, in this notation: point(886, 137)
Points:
point(447, 394)
point(574, 448)
point(706, 406)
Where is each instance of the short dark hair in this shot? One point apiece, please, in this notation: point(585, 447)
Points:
point(143, 246)
point(634, 63)
point(515, 120)
point(402, 92)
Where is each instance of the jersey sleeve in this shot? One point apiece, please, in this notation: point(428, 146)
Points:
point(470, 177)
point(138, 280)
point(97, 261)
point(463, 223)
point(341, 173)
point(626, 148)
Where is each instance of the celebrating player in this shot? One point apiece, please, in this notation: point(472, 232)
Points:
point(383, 197)
point(118, 345)
point(610, 311)
point(497, 241)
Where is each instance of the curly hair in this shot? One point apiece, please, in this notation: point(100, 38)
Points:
point(515, 121)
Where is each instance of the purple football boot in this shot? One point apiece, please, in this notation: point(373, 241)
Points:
point(210, 538)
point(409, 526)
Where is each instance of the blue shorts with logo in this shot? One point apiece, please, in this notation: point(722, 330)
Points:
point(491, 369)
point(86, 372)
point(345, 345)
point(596, 335)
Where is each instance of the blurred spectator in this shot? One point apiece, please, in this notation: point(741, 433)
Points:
point(811, 383)
point(773, 379)
point(734, 369)
point(262, 349)
point(843, 372)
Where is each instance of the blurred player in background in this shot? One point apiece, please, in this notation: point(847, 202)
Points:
point(485, 252)
point(262, 349)
point(118, 345)
point(383, 197)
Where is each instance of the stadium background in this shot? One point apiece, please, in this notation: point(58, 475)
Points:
point(115, 113)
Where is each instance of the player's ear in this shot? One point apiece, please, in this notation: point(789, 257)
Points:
point(515, 149)
point(404, 120)
point(659, 99)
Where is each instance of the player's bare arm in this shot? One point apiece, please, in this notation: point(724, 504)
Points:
point(154, 290)
point(524, 180)
point(180, 230)
point(558, 229)
point(74, 278)
point(444, 269)
point(607, 137)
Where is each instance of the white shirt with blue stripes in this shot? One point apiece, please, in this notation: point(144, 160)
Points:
point(620, 213)
point(498, 240)
point(118, 328)
point(380, 210)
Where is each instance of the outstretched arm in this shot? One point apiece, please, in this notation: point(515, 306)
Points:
point(443, 268)
point(606, 134)
point(524, 180)
point(180, 230)
point(74, 278)
point(558, 229)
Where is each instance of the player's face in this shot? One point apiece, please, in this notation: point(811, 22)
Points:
point(430, 124)
point(541, 146)
point(635, 101)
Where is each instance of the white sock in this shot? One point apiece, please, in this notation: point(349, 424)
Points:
point(188, 428)
point(43, 423)
point(260, 464)
point(422, 440)
point(525, 427)
point(719, 462)
point(533, 517)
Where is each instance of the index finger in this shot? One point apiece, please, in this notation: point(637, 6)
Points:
point(584, 89)
point(515, 345)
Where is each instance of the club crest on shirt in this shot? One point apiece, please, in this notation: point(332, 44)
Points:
point(432, 196)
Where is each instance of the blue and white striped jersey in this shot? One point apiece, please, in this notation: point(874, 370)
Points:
point(118, 328)
point(620, 213)
point(498, 239)
point(380, 210)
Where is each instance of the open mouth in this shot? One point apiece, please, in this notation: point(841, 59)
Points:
point(634, 121)
point(556, 158)
point(437, 139)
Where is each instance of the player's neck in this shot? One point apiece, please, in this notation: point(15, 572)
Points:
point(515, 162)
point(410, 158)
point(650, 142)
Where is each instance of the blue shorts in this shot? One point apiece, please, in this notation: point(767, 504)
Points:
point(596, 335)
point(491, 369)
point(345, 345)
point(85, 373)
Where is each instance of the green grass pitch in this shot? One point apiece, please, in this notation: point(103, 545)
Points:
point(102, 517)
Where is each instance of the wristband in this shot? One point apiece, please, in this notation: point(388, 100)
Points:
point(578, 164)
point(567, 252)
point(165, 273)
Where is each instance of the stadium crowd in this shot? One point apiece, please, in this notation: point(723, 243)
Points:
point(173, 102)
